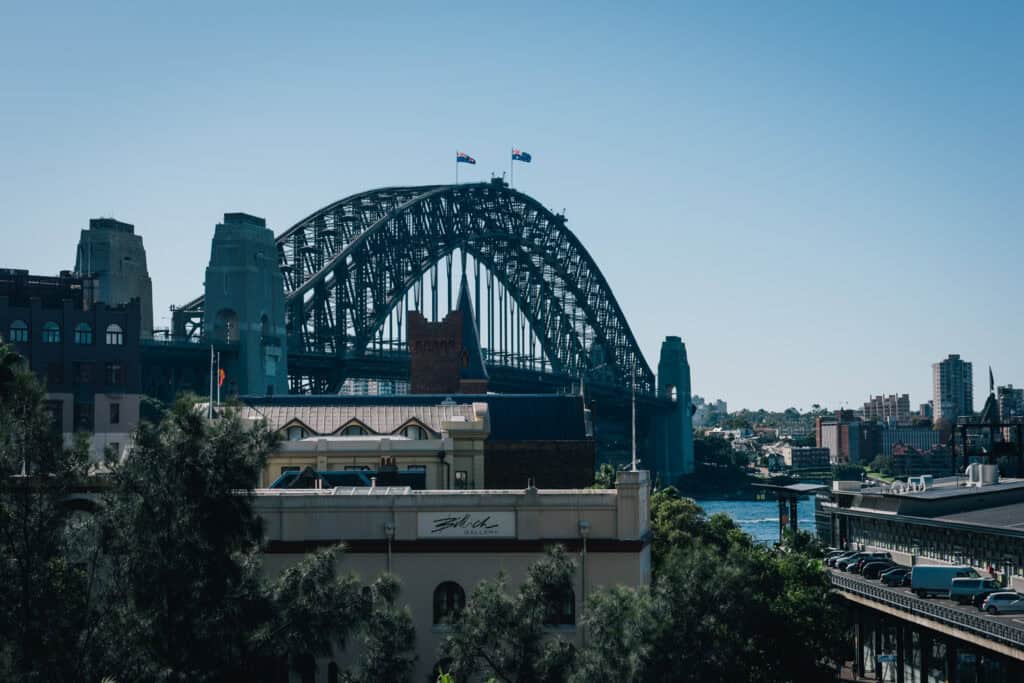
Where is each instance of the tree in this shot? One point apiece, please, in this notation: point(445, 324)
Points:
point(620, 623)
point(507, 636)
point(189, 600)
point(45, 589)
point(883, 464)
point(604, 478)
point(721, 608)
point(387, 637)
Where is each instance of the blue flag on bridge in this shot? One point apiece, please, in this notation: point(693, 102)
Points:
point(518, 155)
point(463, 158)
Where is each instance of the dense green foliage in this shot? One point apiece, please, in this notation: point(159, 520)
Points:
point(162, 581)
point(505, 636)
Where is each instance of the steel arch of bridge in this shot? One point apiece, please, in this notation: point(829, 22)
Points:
point(348, 265)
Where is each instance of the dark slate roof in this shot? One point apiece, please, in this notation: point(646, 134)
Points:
point(545, 417)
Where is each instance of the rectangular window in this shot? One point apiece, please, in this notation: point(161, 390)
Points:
point(55, 409)
point(114, 374)
point(83, 417)
point(54, 373)
point(83, 372)
point(115, 413)
point(461, 479)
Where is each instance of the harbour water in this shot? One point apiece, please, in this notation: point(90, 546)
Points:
point(760, 518)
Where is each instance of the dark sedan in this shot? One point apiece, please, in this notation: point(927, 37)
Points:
point(872, 570)
point(895, 576)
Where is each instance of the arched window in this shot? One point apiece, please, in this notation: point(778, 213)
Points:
point(354, 430)
point(51, 333)
point(115, 335)
point(296, 433)
point(19, 331)
point(449, 599)
point(415, 432)
point(563, 612)
point(83, 333)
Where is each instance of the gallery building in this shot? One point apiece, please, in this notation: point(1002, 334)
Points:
point(441, 544)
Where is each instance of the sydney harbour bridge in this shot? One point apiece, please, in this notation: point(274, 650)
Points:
point(547, 319)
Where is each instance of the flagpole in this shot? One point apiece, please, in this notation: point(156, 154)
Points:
point(209, 412)
point(511, 170)
point(218, 378)
point(456, 167)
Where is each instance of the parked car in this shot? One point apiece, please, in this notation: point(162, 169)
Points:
point(859, 565)
point(853, 565)
point(844, 562)
point(832, 561)
point(926, 580)
point(964, 590)
point(1004, 602)
point(872, 570)
point(895, 576)
point(978, 599)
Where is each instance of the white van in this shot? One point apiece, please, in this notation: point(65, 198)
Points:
point(928, 579)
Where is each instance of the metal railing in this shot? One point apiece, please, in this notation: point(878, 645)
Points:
point(979, 624)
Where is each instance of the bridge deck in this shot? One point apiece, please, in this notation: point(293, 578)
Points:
point(1004, 633)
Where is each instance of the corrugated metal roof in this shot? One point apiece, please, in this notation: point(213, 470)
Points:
point(380, 419)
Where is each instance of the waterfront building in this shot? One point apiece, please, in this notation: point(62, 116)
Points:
point(920, 438)
point(457, 441)
point(973, 521)
point(111, 253)
point(924, 411)
point(910, 461)
point(806, 458)
point(85, 353)
point(847, 438)
point(888, 409)
point(441, 544)
point(953, 389)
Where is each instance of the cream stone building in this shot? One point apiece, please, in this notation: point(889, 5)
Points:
point(444, 441)
point(440, 544)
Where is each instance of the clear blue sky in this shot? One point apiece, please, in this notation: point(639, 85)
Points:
point(821, 201)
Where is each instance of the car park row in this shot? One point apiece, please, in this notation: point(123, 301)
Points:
point(959, 583)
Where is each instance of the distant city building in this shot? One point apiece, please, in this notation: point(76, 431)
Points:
point(113, 254)
point(925, 410)
point(953, 389)
point(1011, 403)
point(891, 409)
point(806, 457)
point(909, 461)
point(85, 353)
point(704, 410)
point(847, 438)
point(921, 438)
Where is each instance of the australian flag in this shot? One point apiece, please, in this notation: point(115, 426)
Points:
point(463, 158)
point(518, 155)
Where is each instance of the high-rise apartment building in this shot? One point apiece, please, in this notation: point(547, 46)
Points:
point(953, 389)
point(893, 409)
point(1011, 403)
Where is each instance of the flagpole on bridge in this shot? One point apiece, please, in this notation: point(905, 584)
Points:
point(456, 167)
point(511, 170)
